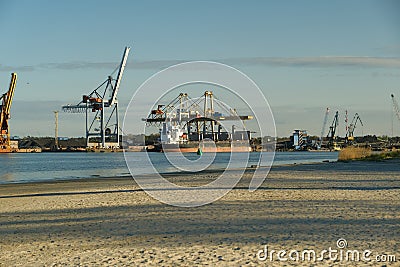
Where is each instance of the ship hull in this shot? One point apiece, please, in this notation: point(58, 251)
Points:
point(192, 147)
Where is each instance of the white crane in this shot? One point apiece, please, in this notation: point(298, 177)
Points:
point(352, 127)
point(396, 107)
point(323, 127)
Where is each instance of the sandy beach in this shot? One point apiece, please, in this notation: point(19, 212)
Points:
point(111, 222)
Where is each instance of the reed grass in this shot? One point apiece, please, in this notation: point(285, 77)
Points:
point(362, 153)
point(352, 153)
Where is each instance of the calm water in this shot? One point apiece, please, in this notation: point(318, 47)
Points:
point(30, 167)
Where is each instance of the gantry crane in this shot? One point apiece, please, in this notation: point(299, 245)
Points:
point(332, 144)
point(104, 130)
point(5, 106)
point(352, 127)
point(196, 116)
point(183, 108)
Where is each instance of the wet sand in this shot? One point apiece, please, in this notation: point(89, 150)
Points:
point(111, 222)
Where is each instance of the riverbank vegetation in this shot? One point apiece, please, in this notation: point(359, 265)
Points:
point(362, 153)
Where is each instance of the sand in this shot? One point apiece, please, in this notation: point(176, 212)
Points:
point(111, 222)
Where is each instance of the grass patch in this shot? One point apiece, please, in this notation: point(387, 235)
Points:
point(361, 153)
point(352, 153)
point(383, 156)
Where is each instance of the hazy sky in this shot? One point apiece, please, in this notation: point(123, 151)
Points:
point(304, 55)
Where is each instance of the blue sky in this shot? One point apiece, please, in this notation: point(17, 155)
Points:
point(304, 55)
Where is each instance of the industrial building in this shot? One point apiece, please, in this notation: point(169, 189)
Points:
point(299, 139)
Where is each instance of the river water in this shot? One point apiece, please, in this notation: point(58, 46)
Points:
point(33, 167)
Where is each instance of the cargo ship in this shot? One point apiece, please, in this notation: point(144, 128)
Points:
point(174, 139)
point(193, 124)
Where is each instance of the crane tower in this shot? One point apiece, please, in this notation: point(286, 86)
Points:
point(5, 106)
point(395, 107)
point(323, 128)
point(332, 138)
point(352, 127)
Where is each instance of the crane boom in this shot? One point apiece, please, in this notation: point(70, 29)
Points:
point(396, 107)
point(119, 76)
point(353, 124)
point(5, 115)
point(332, 131)
point(10, 93)
point(323, 127)
point(352, 127)
point(333, 127)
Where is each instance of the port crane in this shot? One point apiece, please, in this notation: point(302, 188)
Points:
point(352, 127)
point(101, 127)
point(332, 132)
point(5, 106)
point(176, 110)
point(195, 118)
point(323, 128)
point(183, 108)
point(395, 107)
